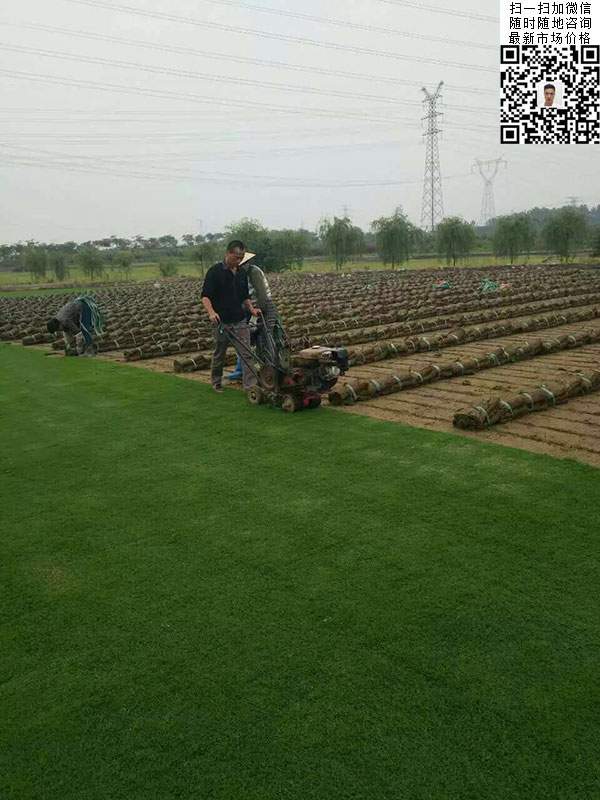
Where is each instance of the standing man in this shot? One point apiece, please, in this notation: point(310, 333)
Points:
point(225, 297)
point(79, 320)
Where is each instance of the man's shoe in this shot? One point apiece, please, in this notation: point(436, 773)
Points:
point(218, 389)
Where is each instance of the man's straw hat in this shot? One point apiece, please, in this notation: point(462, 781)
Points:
point(247, 258)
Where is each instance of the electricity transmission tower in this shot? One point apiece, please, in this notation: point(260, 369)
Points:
point(432, 210)
point(488, 171)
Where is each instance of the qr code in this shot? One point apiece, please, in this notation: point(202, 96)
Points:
point(550, 94)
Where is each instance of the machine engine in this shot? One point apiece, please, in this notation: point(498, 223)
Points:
point(307, 376)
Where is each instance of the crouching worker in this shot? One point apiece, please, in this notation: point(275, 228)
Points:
point(226, 299)
point(79, 320)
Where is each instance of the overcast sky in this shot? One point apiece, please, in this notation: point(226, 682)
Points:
point(151, 117)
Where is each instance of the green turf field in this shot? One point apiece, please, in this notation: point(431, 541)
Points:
point(202, 599)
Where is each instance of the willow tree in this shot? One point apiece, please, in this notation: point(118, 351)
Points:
point(342, 239)
point(513, 235)
point(455, 239)
point(395, 237)
point(565, 231)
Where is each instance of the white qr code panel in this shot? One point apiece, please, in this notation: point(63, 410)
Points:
point(550, 94)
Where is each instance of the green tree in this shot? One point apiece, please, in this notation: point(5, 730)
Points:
point(168, 267)
point(119, 243)
point(341, 238)
point(167, 241)
point(565, 231)
point(124, 263)
point(358, 241)
point(35, 260)
point(58, 264)
point(513, 235)
point(395, 238)
point(596, 241)
point(288, 250)
point(91, 262)
point(455, 239)
point(254, 235)
point(302, 243)
point(275, 250)
point(425, 241)
point(205, 255)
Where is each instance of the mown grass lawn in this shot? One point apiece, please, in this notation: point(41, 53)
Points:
point(203, 599)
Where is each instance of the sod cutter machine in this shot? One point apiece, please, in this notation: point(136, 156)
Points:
point(289, 381)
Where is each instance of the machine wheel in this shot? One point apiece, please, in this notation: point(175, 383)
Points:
point(269, 378)
point(314, 402)
point(256, 396)
point(290, 403)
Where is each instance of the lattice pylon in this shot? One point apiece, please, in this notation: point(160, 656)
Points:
point(432, 210)
point(488, 171)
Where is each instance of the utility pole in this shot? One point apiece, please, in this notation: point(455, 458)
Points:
point(488, 171)
point(432, 210)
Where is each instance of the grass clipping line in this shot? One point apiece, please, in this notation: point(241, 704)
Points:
point(497, 410)
point(358, 389)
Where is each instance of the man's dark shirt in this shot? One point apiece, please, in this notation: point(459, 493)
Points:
point(227, 291)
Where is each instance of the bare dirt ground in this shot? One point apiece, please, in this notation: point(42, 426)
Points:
point(568, 431)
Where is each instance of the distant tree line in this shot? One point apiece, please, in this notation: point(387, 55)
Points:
point(560, 233)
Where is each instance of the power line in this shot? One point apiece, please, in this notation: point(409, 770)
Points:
point(567, 154)
point(217, 177)
point(162, 136)
point(280, 37)
point(357, 26)
point(219, 101)
point(179, 50)
point(284, 87)
point(226, 102)
point(64, 167)
point(453, 12)
point(268, 180)
point(194, 157)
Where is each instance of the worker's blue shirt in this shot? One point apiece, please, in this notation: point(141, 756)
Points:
point(227, 291)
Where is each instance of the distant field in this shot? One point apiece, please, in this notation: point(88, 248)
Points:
point(150, 271)
point(143, 272)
